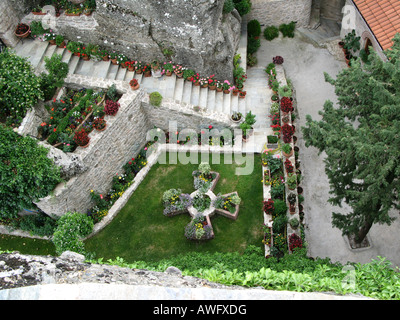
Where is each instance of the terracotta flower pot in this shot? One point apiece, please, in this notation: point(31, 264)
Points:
point(102, 128)
point(135, 87)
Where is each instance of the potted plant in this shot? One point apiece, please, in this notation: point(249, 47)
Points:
point(242, 94)
point(291, 198)
point(167, 69)
point(287, 132)
point(247, 125)
point(277, 60)
point(275, 98)
point(287, 150)
point(111, 108)
point(268, 206)
point(38, 11)
point(236, 116)
point(147, 70)
point(285, 91)
point(289, 166)
point(245, 131)
point(188, 74)
point(81, 138)
point(121, 59)
point(227, 87)
point(138, 67)
point(272, 141)
point(294, 223)
point(212, 82)
point(134, 84)
point(22, 30)
point(60, 41)
point(155, 69)
point(286, 105)
point(291, 181)
point(100, 124)
point(178, 70)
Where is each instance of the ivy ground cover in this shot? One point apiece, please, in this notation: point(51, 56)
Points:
point(141, 231)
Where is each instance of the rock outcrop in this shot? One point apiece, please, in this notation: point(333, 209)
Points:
point(196, 34)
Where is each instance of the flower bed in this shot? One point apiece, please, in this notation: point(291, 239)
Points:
point(73, 117)
point(228, 205)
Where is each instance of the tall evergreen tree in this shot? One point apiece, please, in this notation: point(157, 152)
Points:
point(361, 139)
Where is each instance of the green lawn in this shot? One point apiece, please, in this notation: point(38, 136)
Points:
point(141, 232)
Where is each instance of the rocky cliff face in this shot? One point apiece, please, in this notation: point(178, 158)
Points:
point(193, 33)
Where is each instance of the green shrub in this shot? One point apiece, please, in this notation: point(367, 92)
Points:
point(288, 29)
point(26, 174)
point(228, 6)
point(280, 207)
point(71, 228)
point(19, 86)
point(36, 224)
point(37, 28)
point(253, 28)
point(252, 45)
point(155, 99)
point(242, 6)
point(271, 33)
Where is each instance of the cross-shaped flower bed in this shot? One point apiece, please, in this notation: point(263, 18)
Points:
point(201, 204)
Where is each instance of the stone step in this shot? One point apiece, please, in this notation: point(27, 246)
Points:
point(234, 103)
point(139, 77)
point(73, 63)
point(24, 47)
point(211, 98)
point(66, 56)
point(203, 97)
point(178, 92)
point(112, 72)
point(195, 97)
point(226, 108)
point(168, 85)
point(129, 75)
point(85, 68)
point(219, 102)
point(38, 52)
point(100, 69)
point(51, 49)
point(242, 106)
point(187, 92)
point(121, 73)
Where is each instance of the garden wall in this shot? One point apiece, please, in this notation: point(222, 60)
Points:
point(276, 12)
point(107, 152)
point(8, 22)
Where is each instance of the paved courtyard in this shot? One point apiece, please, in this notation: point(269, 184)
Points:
point(304, 65)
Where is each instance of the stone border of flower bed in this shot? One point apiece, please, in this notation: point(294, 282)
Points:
point(226, 213)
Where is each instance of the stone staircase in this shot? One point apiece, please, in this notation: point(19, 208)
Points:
point(170, 87)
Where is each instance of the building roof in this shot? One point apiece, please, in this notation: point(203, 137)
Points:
point(383, 18)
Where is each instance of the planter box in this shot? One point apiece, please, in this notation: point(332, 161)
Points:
point(226, 213)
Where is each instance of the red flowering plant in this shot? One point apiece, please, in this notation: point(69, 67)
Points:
point(277, 60)
point(295, 242)
point(289, 167)
point(268, 206)
point(212, 81)
point(111, 108)
point(286, 105)
point(287, 132)
point(81, 138)
point(196, 78)
point(99, 123)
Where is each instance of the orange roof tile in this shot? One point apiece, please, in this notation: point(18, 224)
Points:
point(383, 18)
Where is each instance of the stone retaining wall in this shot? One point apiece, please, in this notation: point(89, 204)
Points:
point(276, 12)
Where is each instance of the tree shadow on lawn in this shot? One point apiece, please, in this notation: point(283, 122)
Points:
point(140, 231)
